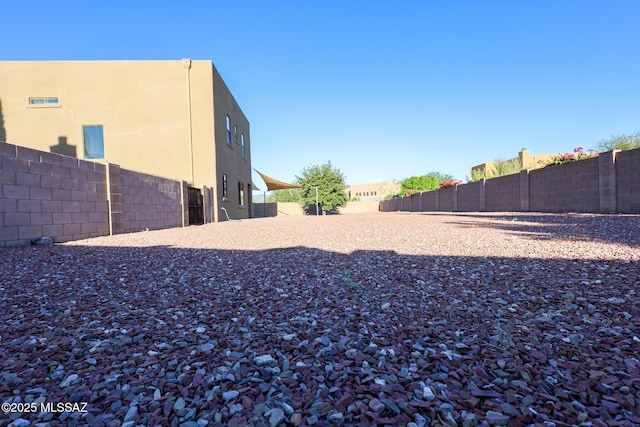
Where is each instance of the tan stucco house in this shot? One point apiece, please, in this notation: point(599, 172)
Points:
point(175, 119)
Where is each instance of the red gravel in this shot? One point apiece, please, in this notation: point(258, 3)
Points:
point(381, 319)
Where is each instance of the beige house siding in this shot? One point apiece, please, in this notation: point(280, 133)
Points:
point(373, 192)
point(164, 118)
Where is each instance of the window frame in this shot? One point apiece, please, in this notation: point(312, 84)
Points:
point(241, 201)
point(86, 150)
point(228, 130)
point(225, 187)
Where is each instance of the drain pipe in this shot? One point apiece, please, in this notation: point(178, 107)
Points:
point(225, 212)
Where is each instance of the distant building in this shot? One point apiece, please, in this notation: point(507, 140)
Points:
point(175, 119)
point(374, 192)
point(525, 159)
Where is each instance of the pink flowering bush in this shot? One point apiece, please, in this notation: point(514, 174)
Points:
point(578, 154)
point(446, 183)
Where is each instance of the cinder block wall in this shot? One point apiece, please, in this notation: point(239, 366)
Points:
point(607, 183)
point(45, 194)
point(447, 199)
point(264, 210)
point(502, 194)
point(627, 165)
point(415, 202)
point(471, 197)
point(406, 203)
point(429, 201)
point(149, 202)
point(572, 187)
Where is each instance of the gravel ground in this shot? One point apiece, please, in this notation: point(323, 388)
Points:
point(393, 319)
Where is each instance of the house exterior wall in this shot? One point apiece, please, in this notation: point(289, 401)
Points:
point(229, 156)
point(372, 192)
point(162, 118)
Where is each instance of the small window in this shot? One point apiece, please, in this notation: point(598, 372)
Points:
point(228, 130)
point(93, 142)
point(240, 193)
point(235, 132)
point(41, 101)
point(225, 188)
point(244, 150)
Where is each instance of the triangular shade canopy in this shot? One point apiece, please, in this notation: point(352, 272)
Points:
point(274, 184)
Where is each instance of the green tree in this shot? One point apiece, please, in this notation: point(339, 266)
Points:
point(427, 182)
point(331, 186)
point(284, 196)
point(620, 142)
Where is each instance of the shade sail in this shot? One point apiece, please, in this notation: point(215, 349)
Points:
point(274, 184)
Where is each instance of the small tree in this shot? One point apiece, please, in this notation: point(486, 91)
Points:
point(427, 182)
point(620, 142)
point(331, 186)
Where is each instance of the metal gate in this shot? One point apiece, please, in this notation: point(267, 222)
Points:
point(196, 208)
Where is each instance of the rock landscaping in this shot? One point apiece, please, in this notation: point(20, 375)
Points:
point(398, 319)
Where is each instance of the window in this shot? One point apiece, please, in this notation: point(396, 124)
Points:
point(240, 193)
point(235, 132)
point(93, 142)
point(44, 101)
point(228, 130)
point(244, 150)
point(225, 189)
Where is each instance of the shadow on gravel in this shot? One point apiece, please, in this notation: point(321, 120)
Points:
point(302, 336)
point(571, 227)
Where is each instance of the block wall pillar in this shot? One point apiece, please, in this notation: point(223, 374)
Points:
point(524, 191)
point(607, 181)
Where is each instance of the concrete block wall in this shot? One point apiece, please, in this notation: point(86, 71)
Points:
point(571, 187)
point(447, 199)
point(149, 202)
point(471, 197)
point(607, 183)
point(502, 194)
point(415, 203)
point(45, 194)
point(429, 201)
point(406, 204)
point(265, 210)
point(627, 181)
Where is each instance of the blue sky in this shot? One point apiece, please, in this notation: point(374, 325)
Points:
point(384, 90)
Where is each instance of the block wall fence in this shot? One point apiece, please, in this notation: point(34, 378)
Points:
point(604, 184)
point(46, 194)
